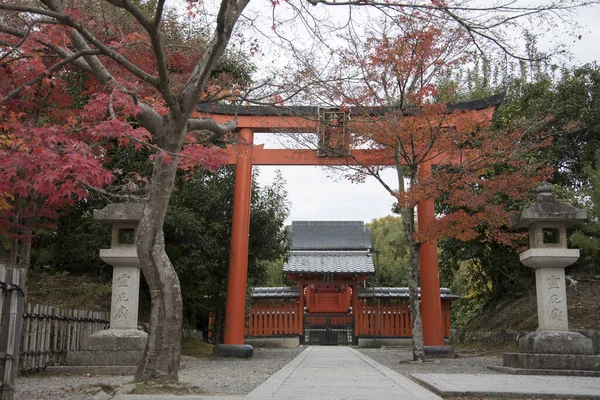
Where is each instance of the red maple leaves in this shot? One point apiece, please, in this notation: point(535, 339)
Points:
point(480, 173)
point(58, 125)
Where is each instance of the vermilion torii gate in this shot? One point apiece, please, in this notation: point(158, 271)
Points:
point(302, 120)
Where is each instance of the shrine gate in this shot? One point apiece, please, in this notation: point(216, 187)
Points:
point(253, 119)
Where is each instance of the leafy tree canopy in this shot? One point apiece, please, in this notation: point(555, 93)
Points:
point(391, 254)
point(198, 236)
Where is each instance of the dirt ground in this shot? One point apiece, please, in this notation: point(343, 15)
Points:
point(517, 315)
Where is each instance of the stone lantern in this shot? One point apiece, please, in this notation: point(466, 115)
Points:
point(122, 255)
point(548, 254)
point(552, 346)
point(122, 344)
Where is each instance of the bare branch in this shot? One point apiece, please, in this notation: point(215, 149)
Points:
point(152, 28)
point(150, 120)
point(209, 124)
point(228, 15)
point(44, 74)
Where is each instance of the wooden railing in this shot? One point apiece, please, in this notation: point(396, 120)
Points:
point(391, 319)
point(274, 318)
point(383, 319)
point(49, 332)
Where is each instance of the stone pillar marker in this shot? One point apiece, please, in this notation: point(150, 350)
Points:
point(120, 347)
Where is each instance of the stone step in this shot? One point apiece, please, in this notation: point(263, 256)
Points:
point(552, 361)
point(100, 358)
point(81, 370)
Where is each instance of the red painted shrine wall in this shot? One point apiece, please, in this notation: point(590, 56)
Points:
point(328, 298)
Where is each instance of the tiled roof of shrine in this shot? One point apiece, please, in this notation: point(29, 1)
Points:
point(396, 293)
point(330, 235)
point(335, 262)
point(281, 292)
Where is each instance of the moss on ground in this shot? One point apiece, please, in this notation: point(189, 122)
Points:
point(196, 348)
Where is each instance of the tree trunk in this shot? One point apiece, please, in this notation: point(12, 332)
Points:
point(408, 220)
point(163, 350)
point(408, 216)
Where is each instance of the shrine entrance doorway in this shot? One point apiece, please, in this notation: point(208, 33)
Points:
point(329, 329)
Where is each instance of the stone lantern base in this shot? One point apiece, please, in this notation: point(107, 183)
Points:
point(575, 353)
point(115, 350)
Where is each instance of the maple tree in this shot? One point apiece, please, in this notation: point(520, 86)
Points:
point(477, 170)
point(142, 80)
point(44, 170)
point(54, 151)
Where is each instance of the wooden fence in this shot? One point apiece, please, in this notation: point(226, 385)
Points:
point(383, 318)
point(48, 333)
point(274, 319)
point(388, 319)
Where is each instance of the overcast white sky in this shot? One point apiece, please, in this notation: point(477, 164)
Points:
point(315, 196)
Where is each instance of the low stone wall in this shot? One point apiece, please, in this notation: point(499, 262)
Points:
point(485, 336)
point(385, 342)
point(288, 342)
point(192, 334)
point(513, 337)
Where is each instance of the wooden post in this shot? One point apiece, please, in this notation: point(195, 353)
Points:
point(431, 307)
point(238, 257)
point(300, 316)
point(355, 310)
point(10, 328)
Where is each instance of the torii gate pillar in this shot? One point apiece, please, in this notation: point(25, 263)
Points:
point(431, 307)
point(235, 309)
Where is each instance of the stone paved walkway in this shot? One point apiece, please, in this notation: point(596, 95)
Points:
point(326, 372)
point(336, 373)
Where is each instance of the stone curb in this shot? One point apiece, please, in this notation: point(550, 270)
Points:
point(439, 383)
point(398, 379)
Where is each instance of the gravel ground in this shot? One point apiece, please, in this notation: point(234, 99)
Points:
point(213, 375)
point(399, 360)
point(243, 375)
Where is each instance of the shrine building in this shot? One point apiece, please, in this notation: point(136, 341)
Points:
point(331, 303)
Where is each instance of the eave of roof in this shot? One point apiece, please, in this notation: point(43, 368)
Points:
point(330, 235)
point(397, 293)
point(280, 292)
point(334, 262)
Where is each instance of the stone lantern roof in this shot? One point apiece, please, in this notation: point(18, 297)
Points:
point(120, 212)
point(547, 209)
